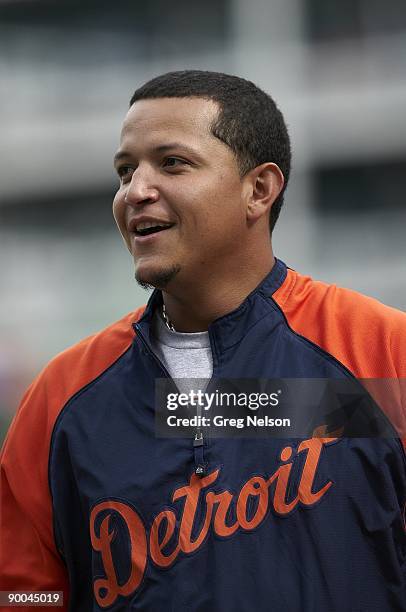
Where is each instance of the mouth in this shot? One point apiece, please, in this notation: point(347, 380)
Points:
point(146, 229)
point(146, 232)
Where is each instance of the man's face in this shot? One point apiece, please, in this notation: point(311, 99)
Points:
point(178, 178)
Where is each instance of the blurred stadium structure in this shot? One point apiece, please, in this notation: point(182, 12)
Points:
point(337, 70)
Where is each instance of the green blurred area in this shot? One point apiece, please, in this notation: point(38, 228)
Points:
point(5, 421)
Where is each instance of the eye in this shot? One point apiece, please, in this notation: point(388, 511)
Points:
point(173, 162)
point(125, 173)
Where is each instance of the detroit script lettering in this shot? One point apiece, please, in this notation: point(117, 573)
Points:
point(216, 504)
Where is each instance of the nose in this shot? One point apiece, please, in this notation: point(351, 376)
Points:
point(140, 189)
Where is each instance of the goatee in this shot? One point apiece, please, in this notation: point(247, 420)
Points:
point(158, 280)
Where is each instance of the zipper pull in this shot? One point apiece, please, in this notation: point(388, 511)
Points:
point(200, 465)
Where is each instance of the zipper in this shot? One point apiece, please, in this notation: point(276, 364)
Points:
point(198, 447)
point(198, 441)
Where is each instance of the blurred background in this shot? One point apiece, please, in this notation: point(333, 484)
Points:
point(67, 71)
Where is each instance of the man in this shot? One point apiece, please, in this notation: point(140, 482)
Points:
point(95, 505)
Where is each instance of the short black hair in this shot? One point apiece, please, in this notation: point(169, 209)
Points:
point(249, 121)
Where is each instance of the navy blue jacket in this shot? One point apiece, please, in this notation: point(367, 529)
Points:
point(118, 519)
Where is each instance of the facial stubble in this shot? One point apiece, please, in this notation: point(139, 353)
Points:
point(158, 280)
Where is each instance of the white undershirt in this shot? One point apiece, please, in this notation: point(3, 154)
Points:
point(184, 355)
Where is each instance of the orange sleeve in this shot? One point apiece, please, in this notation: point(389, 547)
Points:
point(367, 337)
point(29, 559)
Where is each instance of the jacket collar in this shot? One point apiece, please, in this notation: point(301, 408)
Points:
point(232, 327)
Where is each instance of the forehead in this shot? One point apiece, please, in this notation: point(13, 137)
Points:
point(160, 119)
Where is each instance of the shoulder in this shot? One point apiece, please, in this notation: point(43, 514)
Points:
point(25, 493)
point(65, 375)
point(365, 335)
point(88, 358)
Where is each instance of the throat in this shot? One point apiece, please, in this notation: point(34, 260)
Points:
point(182, 318)
point(192, 306)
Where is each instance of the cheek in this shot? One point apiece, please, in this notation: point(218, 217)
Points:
point(213, 209)
point(225, 211)
point(119, 211)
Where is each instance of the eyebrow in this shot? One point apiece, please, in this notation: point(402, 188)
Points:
point(159, 149)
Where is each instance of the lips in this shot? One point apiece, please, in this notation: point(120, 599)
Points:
point(143, 226)
point(144, 231)
point(150, 229)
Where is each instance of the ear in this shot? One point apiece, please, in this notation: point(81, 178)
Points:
point(265, 183)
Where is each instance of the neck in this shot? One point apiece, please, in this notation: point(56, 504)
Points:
point(193, 307)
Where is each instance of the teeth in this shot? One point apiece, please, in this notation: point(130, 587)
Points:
point(148, 224)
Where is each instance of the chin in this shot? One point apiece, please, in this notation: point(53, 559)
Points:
point(156, 278)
